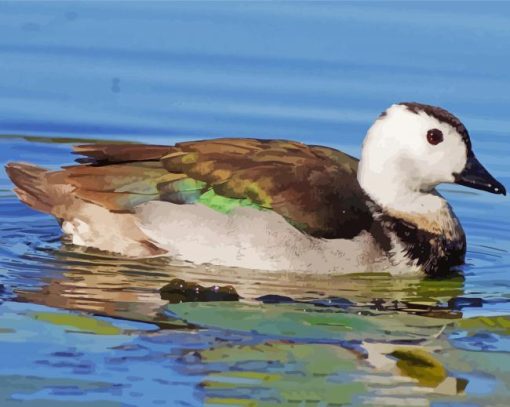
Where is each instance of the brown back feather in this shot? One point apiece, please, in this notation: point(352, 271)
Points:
point(314, 187)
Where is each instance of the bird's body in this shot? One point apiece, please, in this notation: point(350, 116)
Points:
point(263, 204)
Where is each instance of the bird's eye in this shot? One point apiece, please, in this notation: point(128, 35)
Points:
point(434, 136)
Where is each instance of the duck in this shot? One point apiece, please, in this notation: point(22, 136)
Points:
point(275, 205)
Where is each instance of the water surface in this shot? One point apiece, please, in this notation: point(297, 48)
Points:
point(81, 327)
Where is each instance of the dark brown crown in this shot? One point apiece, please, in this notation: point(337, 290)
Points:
point(443, 116)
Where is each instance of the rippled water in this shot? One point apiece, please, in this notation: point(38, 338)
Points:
point(81, 327)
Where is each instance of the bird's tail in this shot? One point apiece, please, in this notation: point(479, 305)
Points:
point(31, 184)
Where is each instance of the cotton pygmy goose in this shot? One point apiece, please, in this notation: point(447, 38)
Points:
point(273, 204)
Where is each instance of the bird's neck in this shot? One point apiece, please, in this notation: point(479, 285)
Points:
point(398, 195)
point(391, 188)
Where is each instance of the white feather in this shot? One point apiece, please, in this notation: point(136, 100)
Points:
point(399, 168)
point(250, 238)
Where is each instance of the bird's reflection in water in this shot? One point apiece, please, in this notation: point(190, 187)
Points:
point(126, 288)
point(132, 289)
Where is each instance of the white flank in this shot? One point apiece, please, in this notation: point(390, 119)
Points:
point(250, 238)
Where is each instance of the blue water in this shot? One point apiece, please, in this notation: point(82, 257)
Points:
point(317, 72)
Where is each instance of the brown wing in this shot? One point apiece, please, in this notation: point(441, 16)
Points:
point(313, 187)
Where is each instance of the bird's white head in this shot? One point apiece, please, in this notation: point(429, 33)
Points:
point(410, 149)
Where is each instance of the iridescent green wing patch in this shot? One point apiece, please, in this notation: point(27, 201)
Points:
point(224, 204)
